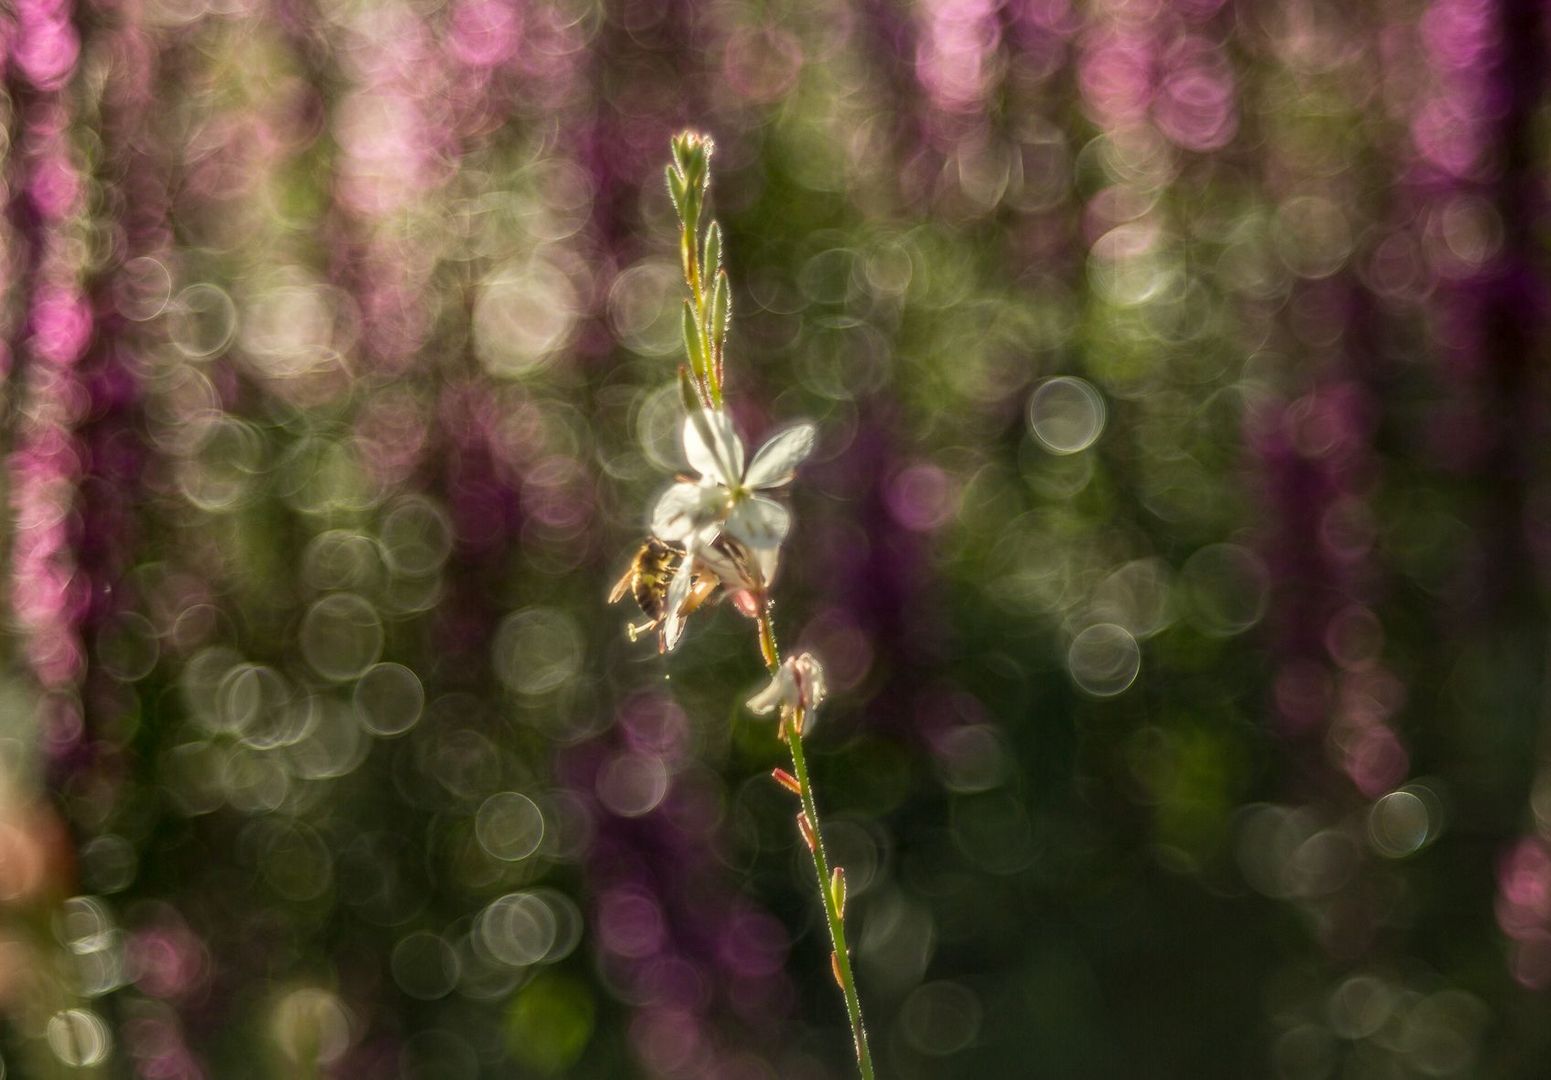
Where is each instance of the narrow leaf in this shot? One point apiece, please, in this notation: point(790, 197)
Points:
point(689, 396)
point(692, 341)
point(681, 152)
point(711, 258)
point(721, 309)
point(676, 190)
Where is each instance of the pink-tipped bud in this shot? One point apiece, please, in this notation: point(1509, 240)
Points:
point(786, 780)
point(805, 827)
point(834, 966)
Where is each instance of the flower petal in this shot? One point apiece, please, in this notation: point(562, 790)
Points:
point(713, 447)
point(715, 558)
point(777, 693)
point(760, 524)
point(765, 560)
point(672, 632)
point(799, 681)
point(678, 512)
point(739, 567)
point(678, 592)
point(808, 674)
point(777, 461)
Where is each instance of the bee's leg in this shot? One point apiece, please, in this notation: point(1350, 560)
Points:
point(636, 630)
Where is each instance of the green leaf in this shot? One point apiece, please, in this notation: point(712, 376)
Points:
point(682, 152)
point(676, 190)
point(692, 341)
point(688, 396)
point(711, 258)
point(721, 309)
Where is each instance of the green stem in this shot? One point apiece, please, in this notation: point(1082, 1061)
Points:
point(832, 913)
point(686, 182)
point(697, 289)
point(695, 279)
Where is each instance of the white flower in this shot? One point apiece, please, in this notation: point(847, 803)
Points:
point(705, 564)
point(798, 681)
point(727, 498)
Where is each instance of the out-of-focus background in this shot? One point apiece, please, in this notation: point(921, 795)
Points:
point(1177, 542)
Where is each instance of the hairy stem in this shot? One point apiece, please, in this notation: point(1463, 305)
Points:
point(705, 332)
point(696, 282)
point(793, 729)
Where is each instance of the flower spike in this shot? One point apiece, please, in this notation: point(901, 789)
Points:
point(718, 533)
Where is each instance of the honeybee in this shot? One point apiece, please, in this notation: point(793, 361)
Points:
point(647, 579)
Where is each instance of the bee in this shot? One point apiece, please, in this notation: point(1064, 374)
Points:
point(647, 579)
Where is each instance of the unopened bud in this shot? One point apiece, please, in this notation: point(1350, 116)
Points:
point(834, 966)
point(805, 827)
point(837, 889)
point(786, 780)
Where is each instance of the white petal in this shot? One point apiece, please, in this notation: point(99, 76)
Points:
point(766, 701)
point(765, 560)
point(678, 513)
point(723, 565)
point(780, 691)
point(808, 674)
point(777, 460)
point(678, 592)
point(760, 523)
point(672, 631)
point(678, 588)
point(713, 447)
point(738, 566)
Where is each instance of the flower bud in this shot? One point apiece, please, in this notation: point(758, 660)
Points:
point(798, 682)
point(786, 780)
point(805, 827)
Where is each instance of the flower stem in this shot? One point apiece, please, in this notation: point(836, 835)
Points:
point(827, 893)
point(706, 313)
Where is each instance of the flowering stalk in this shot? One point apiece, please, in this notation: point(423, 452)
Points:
point(719, 536)
point(832, 887)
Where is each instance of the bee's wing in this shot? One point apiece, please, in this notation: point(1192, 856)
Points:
point(622, 586)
